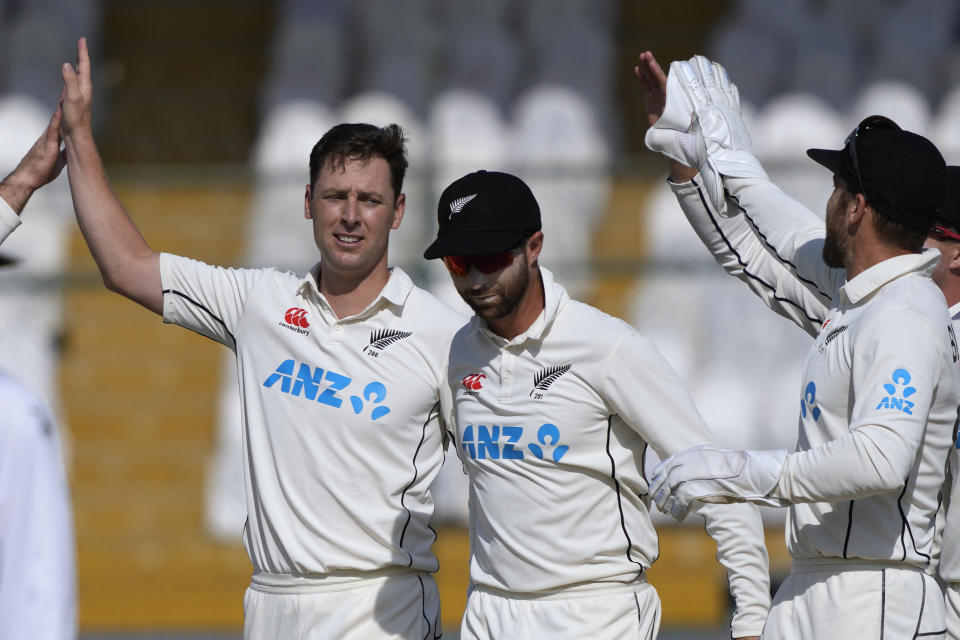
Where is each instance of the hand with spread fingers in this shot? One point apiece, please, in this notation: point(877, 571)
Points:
point(714, 475)
point(41, 165)
point(654, 82)
point(702, 126)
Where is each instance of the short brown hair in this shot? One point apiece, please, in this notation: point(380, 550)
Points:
point(891, 231)
point(352, 141)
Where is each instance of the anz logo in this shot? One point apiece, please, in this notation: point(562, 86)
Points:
point(898, 390)
point(498, 442)
point(324, 387)
point(808, 403)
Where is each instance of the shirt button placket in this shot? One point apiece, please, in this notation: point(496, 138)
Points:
point(507, 360)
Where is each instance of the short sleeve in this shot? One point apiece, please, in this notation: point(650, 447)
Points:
point(206, 299)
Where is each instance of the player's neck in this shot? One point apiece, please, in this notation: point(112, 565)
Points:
point(526, 312)
point(347, 293)
point(867, 255)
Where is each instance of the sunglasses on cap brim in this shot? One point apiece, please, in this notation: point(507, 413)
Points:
point(485, 263)
point(944, 234)
point(870, 123)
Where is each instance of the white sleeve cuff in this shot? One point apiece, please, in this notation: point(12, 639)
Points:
point(8, 220)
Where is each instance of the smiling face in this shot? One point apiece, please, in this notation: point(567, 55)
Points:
point(353, 208)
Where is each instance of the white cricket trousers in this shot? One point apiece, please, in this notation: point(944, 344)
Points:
point(953, 610)
point(856, 599)
point(399, 606)
point(623, 613)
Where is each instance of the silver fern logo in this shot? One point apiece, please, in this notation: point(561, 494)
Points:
point(383, 338)
point(457, 205)
point(546, 377)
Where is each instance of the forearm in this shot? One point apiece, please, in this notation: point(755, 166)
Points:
point(864, 462)
point(127, 263)
point(736, 247)
point(793, 234)
point(16, 191)
point(738, 532)
point(680, 172)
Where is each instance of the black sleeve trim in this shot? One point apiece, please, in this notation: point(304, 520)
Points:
point(416, 474)
point(846, 539)
point(616, 486)
point(743, 264)
point(763, 237)
point(204, 309)
point(906, 526)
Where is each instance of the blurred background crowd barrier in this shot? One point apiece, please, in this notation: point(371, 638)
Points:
point(206, 114)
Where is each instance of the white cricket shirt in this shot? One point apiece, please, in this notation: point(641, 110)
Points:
point(38, 592)
point(950, 542)
point(342, 432)
point(879, 394)
point(553, 427)
point(8, 220)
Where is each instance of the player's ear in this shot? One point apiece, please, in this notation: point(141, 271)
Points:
point(954, 255)
point(398, 209)
point(534, 247)
point(306, 203)
point(858, 206)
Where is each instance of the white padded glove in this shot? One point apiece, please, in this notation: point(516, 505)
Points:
point(702, 127)
point(709, 474)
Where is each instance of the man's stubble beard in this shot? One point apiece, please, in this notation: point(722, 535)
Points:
point(834, 242)
point(510, 293)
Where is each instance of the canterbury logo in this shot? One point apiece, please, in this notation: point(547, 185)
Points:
point(457, 205)
point(383, 338)
point(547, 376)
point(297, 317)
point(473, 382)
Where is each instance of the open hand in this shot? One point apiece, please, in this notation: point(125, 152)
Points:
point(77, 97)
point(44, 161)
point(654, 82)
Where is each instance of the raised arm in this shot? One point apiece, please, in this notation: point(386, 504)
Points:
point(42, 163)
point(127, 263)
point(728, 234)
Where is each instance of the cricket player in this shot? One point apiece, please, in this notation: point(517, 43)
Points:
point(945, 237)
point(38, 592)
point(342, 372)
point(555, 407)
point(881, 384)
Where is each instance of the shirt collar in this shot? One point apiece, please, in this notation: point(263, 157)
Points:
point(398, 287)
point(555, 298)
point(954, 310)
point(883, 272)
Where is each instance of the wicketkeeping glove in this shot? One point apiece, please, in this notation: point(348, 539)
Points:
point(715, 475)
point(702, 127)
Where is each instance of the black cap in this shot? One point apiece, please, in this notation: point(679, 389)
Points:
point(951, 204)
point(484, 212)
point(6, 260)
point(903, 174)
